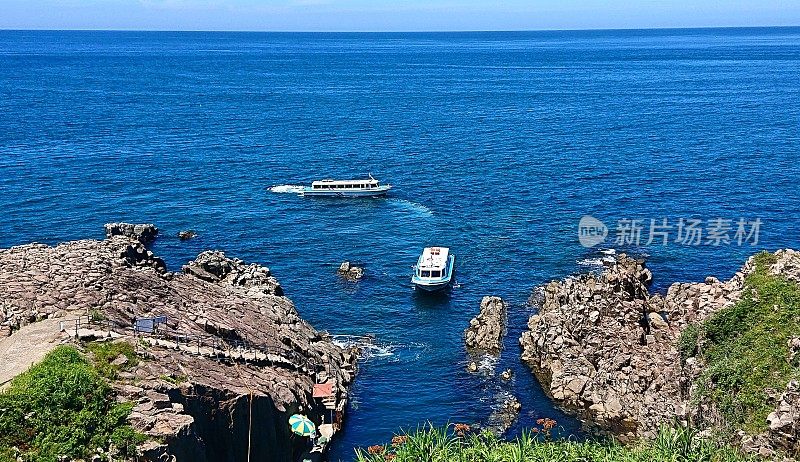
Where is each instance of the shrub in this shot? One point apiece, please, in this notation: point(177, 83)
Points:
point(745, 348)
point(62, 406)
point(687, 343)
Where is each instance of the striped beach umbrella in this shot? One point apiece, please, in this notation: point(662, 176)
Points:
point(301, 425)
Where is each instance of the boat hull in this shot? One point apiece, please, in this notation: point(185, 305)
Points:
point(431, 287)
point(380, 191)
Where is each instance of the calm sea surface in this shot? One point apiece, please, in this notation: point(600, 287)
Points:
point(498, 143)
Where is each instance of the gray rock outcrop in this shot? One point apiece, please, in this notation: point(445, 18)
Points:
point(231, 341)
point(485, 332)
point(214, 266)
point(144, 233)
point(784, 421)
point(350, 272)
point(605, 349)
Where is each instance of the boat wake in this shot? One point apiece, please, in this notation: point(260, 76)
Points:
point(371, 349)
point(414, 207)
point(286, 188)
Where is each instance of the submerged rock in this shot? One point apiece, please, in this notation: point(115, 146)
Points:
point(505, 414)
point(485, 332)
point(350, 271)
point(144, 233)
point(187, 234)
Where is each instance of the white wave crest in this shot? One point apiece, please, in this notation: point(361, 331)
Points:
point(287, 188)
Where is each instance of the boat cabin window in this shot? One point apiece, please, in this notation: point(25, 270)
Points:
point(436, 274)
point(425, 274)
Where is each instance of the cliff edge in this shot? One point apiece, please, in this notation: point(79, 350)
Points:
point(225, 357)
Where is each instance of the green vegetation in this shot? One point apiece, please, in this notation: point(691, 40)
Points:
point(174, 379)
point(105, 353)
point(97, 315)
point(687, 344)
point(745, 348)
point(62, 406)
point(441, 445)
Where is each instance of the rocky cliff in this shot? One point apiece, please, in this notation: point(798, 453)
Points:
point(486, 330)
point(225, 357)
point(606, 349)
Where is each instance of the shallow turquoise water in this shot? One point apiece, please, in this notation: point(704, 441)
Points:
point(497, 143)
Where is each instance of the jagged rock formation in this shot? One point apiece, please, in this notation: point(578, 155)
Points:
point(605, 349)
point(485, 331)
point(144, 233)
point(214, 266)
point(350, 272)
point(784, 422)
point(229, 335)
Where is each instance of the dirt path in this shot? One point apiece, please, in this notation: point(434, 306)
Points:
point(26, 347)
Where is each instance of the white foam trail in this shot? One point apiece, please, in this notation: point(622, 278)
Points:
point(370, 349)
point(287, 188)
point(487, 364)
point(414, 207)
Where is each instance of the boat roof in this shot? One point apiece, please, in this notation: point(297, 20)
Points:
point(338, 182)
point(434, 257)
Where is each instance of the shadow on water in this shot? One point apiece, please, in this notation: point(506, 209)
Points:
point(431, 300)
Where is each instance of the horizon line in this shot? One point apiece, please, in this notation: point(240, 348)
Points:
point(409, 31)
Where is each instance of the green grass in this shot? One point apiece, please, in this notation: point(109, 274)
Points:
point(745, 348)
point(62, 406)
point(441, 445)
point(106, 352)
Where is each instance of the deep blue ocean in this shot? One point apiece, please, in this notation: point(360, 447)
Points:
point(497, 144)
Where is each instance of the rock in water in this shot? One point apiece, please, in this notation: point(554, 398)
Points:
point(144, 233)
point(186, 235)
point(505, 414)
point(350, 272)
point(485, 332)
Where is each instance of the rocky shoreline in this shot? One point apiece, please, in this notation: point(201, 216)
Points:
point(607, 350)
point(218, 341)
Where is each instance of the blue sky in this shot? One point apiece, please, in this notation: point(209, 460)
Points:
point(386, 15)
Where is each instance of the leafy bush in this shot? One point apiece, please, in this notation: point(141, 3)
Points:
point(62, 406)
point(687, 343)
point(441, 445)
point(745, 348)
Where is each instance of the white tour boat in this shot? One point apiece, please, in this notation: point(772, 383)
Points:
point(347, 188)
point(434, 269)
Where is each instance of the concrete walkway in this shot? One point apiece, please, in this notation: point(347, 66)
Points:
point(26, 347)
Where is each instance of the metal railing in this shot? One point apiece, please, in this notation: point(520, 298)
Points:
point(214, 346)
